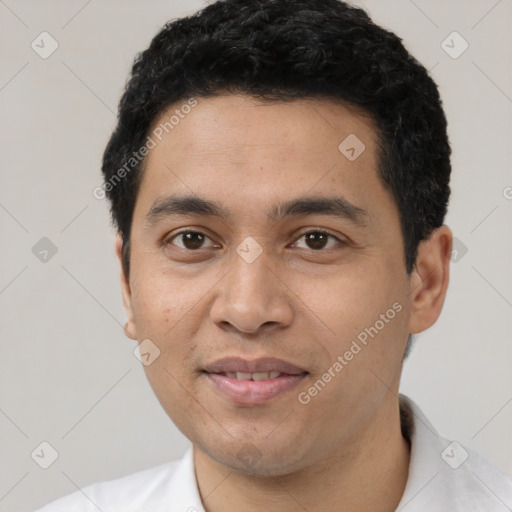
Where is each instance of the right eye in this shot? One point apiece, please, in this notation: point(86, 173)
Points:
point(190, 240)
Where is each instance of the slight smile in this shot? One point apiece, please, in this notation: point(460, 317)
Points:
point(253, 382)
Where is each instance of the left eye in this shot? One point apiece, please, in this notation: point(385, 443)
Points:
point(317, 240)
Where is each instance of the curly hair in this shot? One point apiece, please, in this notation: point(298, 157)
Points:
point(282, 50)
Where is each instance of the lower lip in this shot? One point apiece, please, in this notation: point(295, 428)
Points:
point(252, 392)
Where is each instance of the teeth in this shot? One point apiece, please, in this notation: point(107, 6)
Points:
point(253, 376)
point(260, 376)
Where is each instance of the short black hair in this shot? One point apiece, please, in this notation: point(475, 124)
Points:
point(282, 50)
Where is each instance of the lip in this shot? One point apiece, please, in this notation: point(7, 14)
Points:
point(251, 392)
point(264, 364)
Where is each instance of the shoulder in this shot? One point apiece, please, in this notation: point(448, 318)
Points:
point(126, 494)
point(447, 476)
point(466, 482)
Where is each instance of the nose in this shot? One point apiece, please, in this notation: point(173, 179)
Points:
point(252, 298)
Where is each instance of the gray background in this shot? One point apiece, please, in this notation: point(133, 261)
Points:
point(68, 374)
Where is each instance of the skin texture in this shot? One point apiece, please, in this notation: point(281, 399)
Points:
point(344, 449)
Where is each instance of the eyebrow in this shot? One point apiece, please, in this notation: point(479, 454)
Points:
point(338, 207)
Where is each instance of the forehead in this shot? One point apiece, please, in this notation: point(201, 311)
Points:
point(240, 123)
point(242, 151)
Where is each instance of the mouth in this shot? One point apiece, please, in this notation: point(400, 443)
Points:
point(252, 376)
point(246, 382)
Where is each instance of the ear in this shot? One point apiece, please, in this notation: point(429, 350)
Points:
point(429, 279)
point(129, 327)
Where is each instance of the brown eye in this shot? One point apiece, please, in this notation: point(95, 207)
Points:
point(317, 240)
point(191, 240)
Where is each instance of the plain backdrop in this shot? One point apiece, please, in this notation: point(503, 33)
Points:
point(68, 374)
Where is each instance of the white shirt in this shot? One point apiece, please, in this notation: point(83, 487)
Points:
point(443, 477)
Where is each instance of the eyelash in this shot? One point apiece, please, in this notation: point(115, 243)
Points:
point(169, 240)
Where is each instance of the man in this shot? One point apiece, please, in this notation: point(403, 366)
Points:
point(279, 177)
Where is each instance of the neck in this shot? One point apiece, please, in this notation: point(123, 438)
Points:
point(370, 476)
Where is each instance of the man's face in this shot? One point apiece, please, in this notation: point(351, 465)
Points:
point(280, 275)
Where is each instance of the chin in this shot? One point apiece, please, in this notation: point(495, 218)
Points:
point(258, 458)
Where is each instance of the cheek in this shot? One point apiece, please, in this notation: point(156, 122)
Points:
point(161, 302)
point(364, 359)
point(366, 312)
point(166, 313)
point(349, 301)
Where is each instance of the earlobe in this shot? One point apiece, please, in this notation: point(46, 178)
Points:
point(129, 327)
point(429, 282)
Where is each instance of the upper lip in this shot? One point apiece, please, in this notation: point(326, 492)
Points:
point(266, 364)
